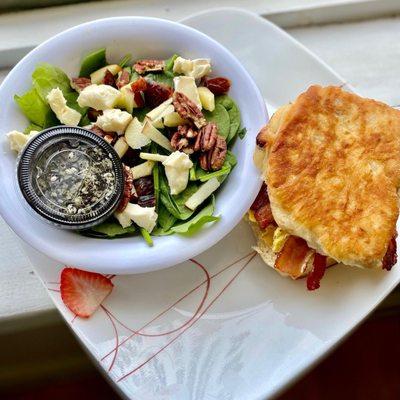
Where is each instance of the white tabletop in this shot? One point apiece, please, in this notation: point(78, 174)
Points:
point(365, 53)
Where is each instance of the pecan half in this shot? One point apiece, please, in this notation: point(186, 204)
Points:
point(218, 154)
point(184, 139)
point(217, 85)
point(110, 137)
point(128, 185)
point(123, 79)
point(109, 78)
point(188, 110)
point(156, 93)
point(143, 66)
point(79, 84)
point(209, 134)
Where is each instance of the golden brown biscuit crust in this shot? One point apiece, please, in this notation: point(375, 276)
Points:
point(333, 172)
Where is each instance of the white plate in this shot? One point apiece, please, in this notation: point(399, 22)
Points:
point(244, 333)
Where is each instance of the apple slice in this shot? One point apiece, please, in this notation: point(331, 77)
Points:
point(128, 98)
point(141, 170)
point(173, 120)
point(97, 77)
point(207, 98)
point(153, 157)
point(134, 136)
point(121, 147)
point(202, 193)
point(156, 136)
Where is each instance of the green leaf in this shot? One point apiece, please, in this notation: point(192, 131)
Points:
point(165, 219)
point(72, 102)
point(35, 109)
point(230, 162)
point(146, 236)
point(110, 229)
point(140, 113)
point(242, 132)
point(156, 177)
point(198, 221)
point(92, 62)
point(221, 117)
point(233, 112)
point(134, 76)
point(47, 77)
point(176, 204)
point(169, 64)
point(162, 77)
point(32, 127)
point(125, 61)
point(85, 121)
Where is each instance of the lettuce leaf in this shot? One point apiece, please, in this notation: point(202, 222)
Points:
point(92, 62)
point(35, 109)
point(109, 229)
point(46, 77)
point(198, 221)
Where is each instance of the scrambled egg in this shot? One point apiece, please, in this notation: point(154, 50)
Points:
point(279, 239)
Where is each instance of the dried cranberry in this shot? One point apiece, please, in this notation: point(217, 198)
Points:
point(218, 85)
point(144, 186)
point(131, 157)
point(93, 114)
point(156, 93)
point(109, 78)
point(139, 85)
point(147, 201)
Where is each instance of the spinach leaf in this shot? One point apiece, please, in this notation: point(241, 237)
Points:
point(109, 229)
point(92, 62)
point(125, 61)
point(166, 78)
point(134, 76)
point(198, 221)
point(234, 114)
point(146, 236)
point(230, 162)
point(72, 102)
point(32, 127)
point(242, 132)
point(47, 77)
point(35, 109)
point(169, 64)
point(85, 121)
point(140, 113)
point(165, 219)
point(175, 204)
point(221, 117)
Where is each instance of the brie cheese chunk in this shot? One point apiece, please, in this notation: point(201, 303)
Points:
point(187, 86)
point(99, 97)
point(57, 102)
point(18, 140)
point(114, 120)
point(195, 68)
point(177, 167)
point(145, 217)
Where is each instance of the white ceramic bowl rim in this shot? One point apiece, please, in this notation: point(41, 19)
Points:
point(94, 254)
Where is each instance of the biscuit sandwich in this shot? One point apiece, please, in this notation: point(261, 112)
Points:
point(330, 162)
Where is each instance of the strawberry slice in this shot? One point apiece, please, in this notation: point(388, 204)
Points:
point(83, 292)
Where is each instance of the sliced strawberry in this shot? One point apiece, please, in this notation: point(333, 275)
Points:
point(83, 292)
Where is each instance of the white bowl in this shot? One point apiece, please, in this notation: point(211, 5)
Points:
point(143, 37)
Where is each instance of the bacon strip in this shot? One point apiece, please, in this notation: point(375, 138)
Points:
point(262, 208)
point(318, 271)
point(292, 257)
point(390, 257)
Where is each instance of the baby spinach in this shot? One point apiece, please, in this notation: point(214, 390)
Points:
point(169, 64)
point(165, 219)
point(230, 162)
point(35, 109)
point(198, 221)
point(234, 114)
point(221, 118)
point(32, 127)
point(92, 62)
point(109, 229)
point(165, 78)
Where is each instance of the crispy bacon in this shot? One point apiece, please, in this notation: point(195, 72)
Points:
point(317, 273)
point(292, 256)
point(390, 257)
point(264, 216)
point(261, 199)
point(123, 79)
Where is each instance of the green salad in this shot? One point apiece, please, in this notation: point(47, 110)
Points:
point(171, 122)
